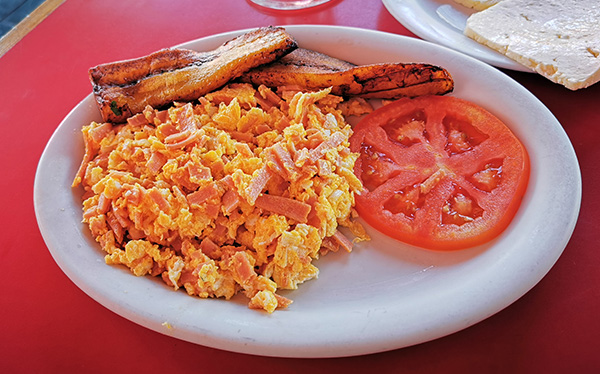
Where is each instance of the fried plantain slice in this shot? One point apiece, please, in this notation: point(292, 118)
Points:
point(313, 71)
point(126, 87)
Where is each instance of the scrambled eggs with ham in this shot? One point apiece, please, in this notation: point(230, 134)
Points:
point(237, 192)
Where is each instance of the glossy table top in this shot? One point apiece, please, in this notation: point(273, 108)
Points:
point(49, 325)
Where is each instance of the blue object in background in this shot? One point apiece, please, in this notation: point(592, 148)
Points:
point(14, 11)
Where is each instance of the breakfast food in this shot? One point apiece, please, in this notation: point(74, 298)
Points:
point(312, 70)
point(237, 193)
point(439, 172)
point(125, 88)
point(478, 4)
point(224, 177)
point(558, 39)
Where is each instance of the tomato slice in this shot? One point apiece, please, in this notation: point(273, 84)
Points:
point(438, 172)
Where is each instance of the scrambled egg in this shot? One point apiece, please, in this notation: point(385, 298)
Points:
point(238, 192)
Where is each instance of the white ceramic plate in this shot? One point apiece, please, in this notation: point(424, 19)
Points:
point(384, 295)
point(443, 22)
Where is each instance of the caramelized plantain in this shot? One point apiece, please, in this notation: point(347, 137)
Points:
point(313, 71)
point(126, 87)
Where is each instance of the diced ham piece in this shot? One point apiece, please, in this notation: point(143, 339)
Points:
point(89, 213)
point(116, 227)
point(120, 215)
point(231, 200)
point(262, 128)
point(137, 120)
point(187, 119)
point(99, 132)
point(186, 276)
point(282, 302)
point(246, 137)
point(155, 117)
point(285, 206)
point(314, 138)
point(243, 268)
point(313, 217)
point(189, 138)
point(264, 104)
point(342, 240)
point(159, 199)
point(203, 194)
point(162, 115)
point(329, 245)
point(213, 209)
point(227, 181)
point(209, 248)
point(103, 204)
point(271, 97)
point(177, 137)
point(257, 184)
point(244, 149)
point(282, 158)
point(228, 251)
point(219, 232)
point(330, 143)
point(156, 161)
point(188, 129)
point(199, 172)
point(134, 195)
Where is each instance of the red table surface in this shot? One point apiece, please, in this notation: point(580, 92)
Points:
point(49, 325)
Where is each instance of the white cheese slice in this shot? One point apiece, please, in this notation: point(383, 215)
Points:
point(478, 4)
point(559, 39)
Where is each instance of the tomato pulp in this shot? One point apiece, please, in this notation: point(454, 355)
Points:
point(438, 172)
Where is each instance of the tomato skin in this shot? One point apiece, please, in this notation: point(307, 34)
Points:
point(439, 172)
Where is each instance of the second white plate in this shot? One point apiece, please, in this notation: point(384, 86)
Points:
point(443, 22)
